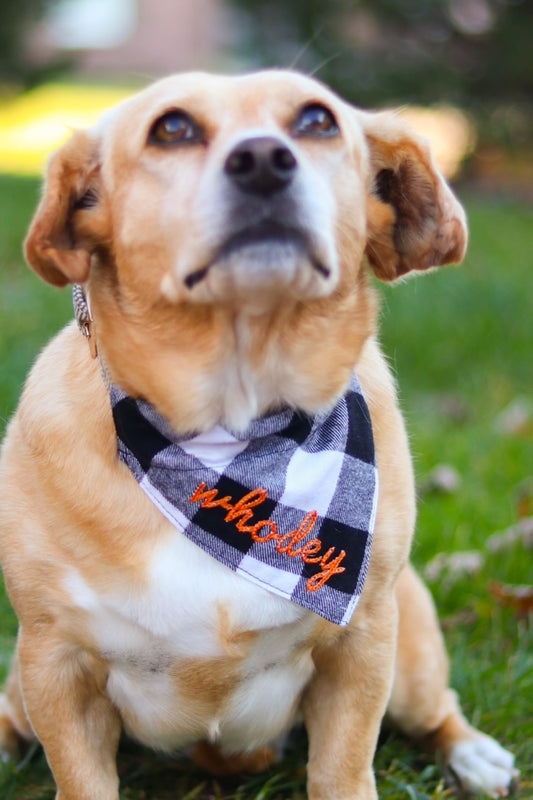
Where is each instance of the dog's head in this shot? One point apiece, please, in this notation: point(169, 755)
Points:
point(206, 201)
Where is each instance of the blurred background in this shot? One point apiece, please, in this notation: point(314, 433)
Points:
point(62, 61)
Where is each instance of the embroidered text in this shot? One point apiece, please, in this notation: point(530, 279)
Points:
point(265, 530)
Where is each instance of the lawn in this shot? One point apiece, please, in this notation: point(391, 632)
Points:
point(460, 341)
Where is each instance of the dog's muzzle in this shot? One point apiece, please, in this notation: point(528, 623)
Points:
point(269, 245)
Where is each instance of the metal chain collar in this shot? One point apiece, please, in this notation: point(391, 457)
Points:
point(82, 313)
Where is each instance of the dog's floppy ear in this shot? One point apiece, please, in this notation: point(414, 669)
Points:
point(53, 246)
point(414, 220)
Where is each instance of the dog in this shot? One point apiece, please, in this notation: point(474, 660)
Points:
point(206, 514)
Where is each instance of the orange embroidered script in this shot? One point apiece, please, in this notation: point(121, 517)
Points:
point(264, 530)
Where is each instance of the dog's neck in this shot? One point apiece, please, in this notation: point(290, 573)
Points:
point(203, 366)
point(240, 388)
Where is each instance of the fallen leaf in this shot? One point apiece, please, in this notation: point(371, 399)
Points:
point(466, 616)
point(522, 532)
point(525, 505)
point(518, 598)
point(525, 498)
point(443, 479)
point(453, 408)
point(454, 566)
point(517, 418)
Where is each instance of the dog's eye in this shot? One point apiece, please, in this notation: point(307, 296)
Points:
point(175, 127)
point(316, 120)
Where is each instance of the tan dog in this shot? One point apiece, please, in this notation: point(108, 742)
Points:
point(221, 227)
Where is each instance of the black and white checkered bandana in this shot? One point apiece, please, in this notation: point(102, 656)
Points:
point(289, 504)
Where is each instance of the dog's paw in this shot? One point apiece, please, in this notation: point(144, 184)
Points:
point(482, 766)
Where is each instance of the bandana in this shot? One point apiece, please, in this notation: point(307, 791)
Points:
point(289, 504)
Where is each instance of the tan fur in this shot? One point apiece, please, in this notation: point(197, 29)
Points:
point(80, 542)
point(210, 758)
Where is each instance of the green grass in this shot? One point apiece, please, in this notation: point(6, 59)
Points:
point(460, 341)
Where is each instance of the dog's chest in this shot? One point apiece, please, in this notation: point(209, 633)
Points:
point(198, 652)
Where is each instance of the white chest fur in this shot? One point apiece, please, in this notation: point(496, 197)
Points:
point(199, 652)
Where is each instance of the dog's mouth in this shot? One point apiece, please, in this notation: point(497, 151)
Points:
point(266, 235)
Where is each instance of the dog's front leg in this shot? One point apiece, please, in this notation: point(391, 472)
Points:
point(71, 715)
point(345, 703)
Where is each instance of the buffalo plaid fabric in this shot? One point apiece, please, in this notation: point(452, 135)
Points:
point(289, 504)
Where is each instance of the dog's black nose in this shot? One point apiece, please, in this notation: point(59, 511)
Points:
point(261, 165)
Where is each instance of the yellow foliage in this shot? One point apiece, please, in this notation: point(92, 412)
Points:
point(34, 124)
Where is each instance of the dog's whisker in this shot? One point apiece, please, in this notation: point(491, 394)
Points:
point(307, 46)
point(324, 63)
